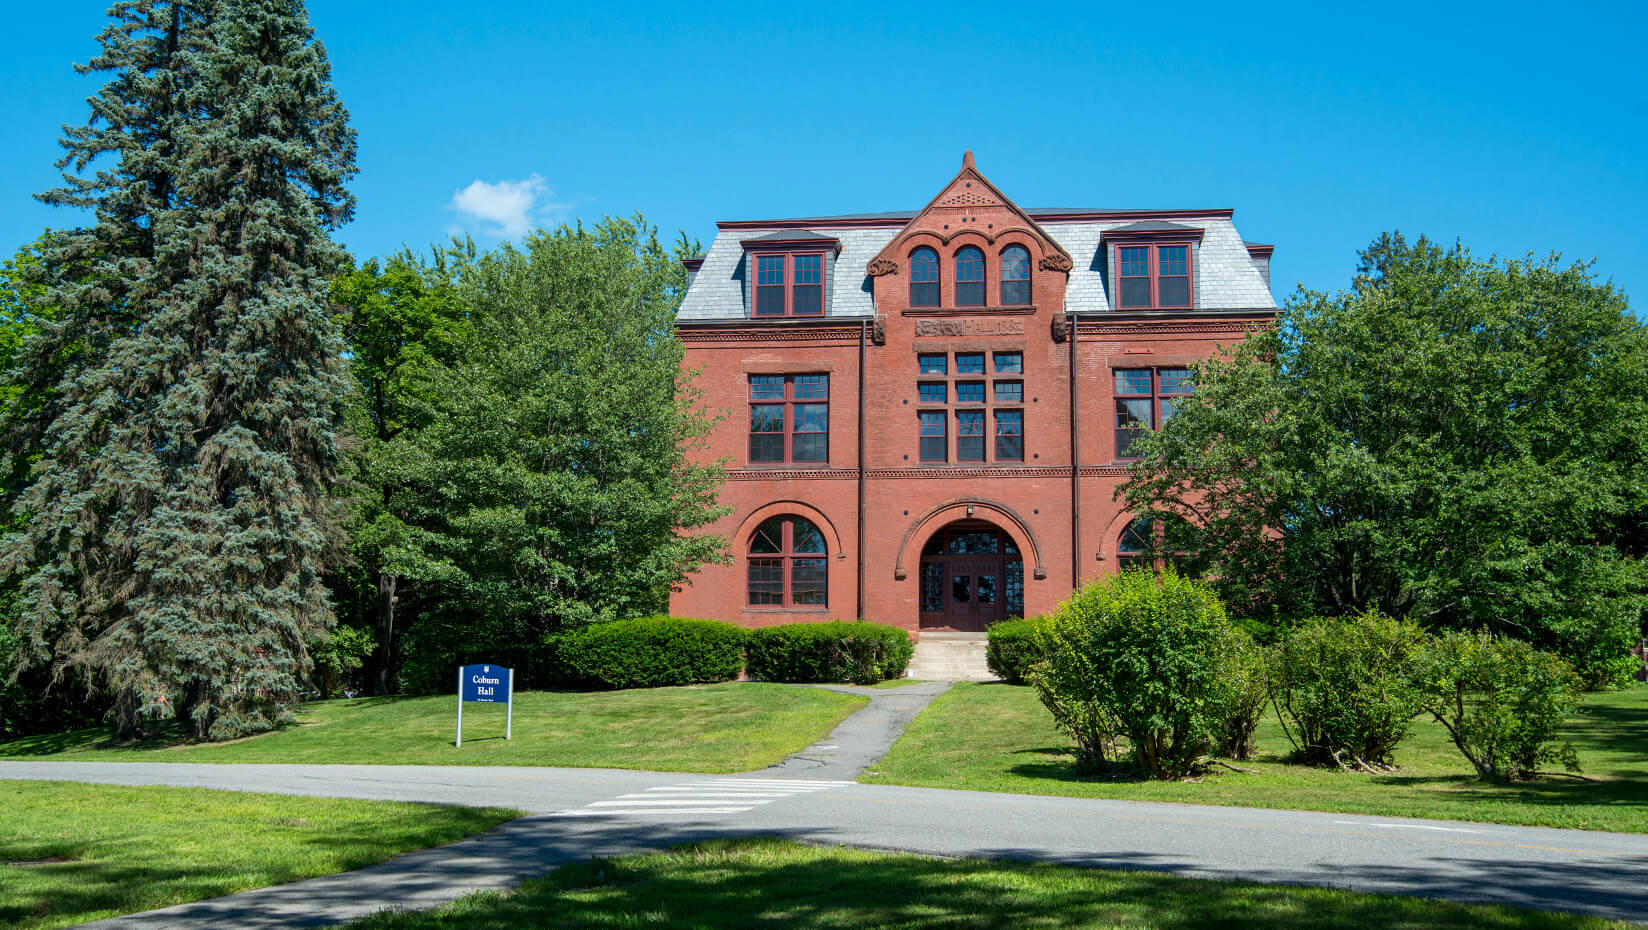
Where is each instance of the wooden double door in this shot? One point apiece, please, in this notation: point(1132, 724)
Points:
point(971, 576)
point(975, 590)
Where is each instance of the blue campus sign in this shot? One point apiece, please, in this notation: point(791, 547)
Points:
point(487, 684)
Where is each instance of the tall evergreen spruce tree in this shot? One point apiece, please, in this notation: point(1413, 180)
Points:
point(174, 524)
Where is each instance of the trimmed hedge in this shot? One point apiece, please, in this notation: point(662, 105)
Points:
point(857, 652)
point(650, 652)
point(1013, 648)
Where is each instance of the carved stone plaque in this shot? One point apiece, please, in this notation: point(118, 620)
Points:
point(969, 328)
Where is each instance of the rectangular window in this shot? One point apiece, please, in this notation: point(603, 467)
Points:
point(1009, 392)
point(766, 582)
point(1145, 399)
point(1134, 414)
point(1153, 277)
point(934, 392)
point(970, 392)
point(811, 442)
point(766, 432)
point(789, 285)
point(1009, 363)
point(807, 582)
point(1133, 271)
point(1175, 384)
point(789, 418)
point(934, 364)
point(969, 363)
point(1173, 276)
point(970, 436)
point(769, 285)
point(807, 293)
point(935, 445)
point(1009, 435)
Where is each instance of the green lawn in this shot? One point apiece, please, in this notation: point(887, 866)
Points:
point(998, 737)
point(116, 850)
point(770, 883)
point(711, 728)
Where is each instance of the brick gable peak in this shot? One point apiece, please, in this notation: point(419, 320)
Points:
point(969, 208)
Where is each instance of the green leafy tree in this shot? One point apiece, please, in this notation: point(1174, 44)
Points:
point(1503, 702)
point(1147, 656)
point(560, 459)
point(1452, 439)
point(404, 325)
point(174, 523)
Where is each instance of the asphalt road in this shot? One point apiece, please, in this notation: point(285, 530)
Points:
point(588, 812)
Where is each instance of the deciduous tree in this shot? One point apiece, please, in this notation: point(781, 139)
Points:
point(1453, 439)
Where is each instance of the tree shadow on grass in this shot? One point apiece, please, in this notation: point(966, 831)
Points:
point(105, 877)
point(760, 881)
point(168, 734)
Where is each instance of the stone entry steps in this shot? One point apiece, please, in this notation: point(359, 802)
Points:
point(950, 657)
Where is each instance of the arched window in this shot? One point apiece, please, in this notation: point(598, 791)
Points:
point(1135, 548)
point(969, 277)
point(788, 567)
point(924, 278)
point(1015, 276)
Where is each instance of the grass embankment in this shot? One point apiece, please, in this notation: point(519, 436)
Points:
point(711, 728)
point(997, 737)
point(117, 850)
point(769, 883)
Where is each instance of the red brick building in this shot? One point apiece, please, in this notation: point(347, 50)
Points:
point(929, 412)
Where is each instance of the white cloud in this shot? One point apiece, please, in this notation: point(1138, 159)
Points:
point(511, 206)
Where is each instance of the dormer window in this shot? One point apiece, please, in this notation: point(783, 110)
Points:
point(788, 271)
point(789, 285)
point(1153, 265)
point(969, 277)
point(1153, 277)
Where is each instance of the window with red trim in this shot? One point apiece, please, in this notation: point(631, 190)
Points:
point(1015, 276)
point(788, 564)
point(924, 278)
point(1145, 399)
point(789, 284)
point(969, 277)
point(1135, 548)
point(973, 401)
point(789, 419)
point(1153, 276)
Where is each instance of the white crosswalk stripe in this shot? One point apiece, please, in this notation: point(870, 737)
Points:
point(707, 796)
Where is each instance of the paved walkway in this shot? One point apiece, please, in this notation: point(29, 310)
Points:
point(581, 813)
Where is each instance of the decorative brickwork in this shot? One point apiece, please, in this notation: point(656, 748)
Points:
point(1048, 500)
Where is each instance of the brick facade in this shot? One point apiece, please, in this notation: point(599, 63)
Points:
point(876, 503)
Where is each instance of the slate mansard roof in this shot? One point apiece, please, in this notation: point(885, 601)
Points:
point(1227, 276)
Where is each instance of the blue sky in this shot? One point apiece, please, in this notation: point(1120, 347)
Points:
point(1513, 127)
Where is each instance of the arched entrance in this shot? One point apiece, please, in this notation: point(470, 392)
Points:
point(971, 576)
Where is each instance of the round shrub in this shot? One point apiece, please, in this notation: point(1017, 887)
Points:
point(858, 652)
point(1143, 656)
point(1248, 669)
point(1502, 701)
point(650, 652)
point(1345, 684)
point(1013, 649)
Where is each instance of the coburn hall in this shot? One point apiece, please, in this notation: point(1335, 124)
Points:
point(930, 411)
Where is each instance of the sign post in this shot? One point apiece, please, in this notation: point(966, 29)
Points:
point(481, 684)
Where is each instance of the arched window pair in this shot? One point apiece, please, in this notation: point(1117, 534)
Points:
point(788, 566)
point(970, 277)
